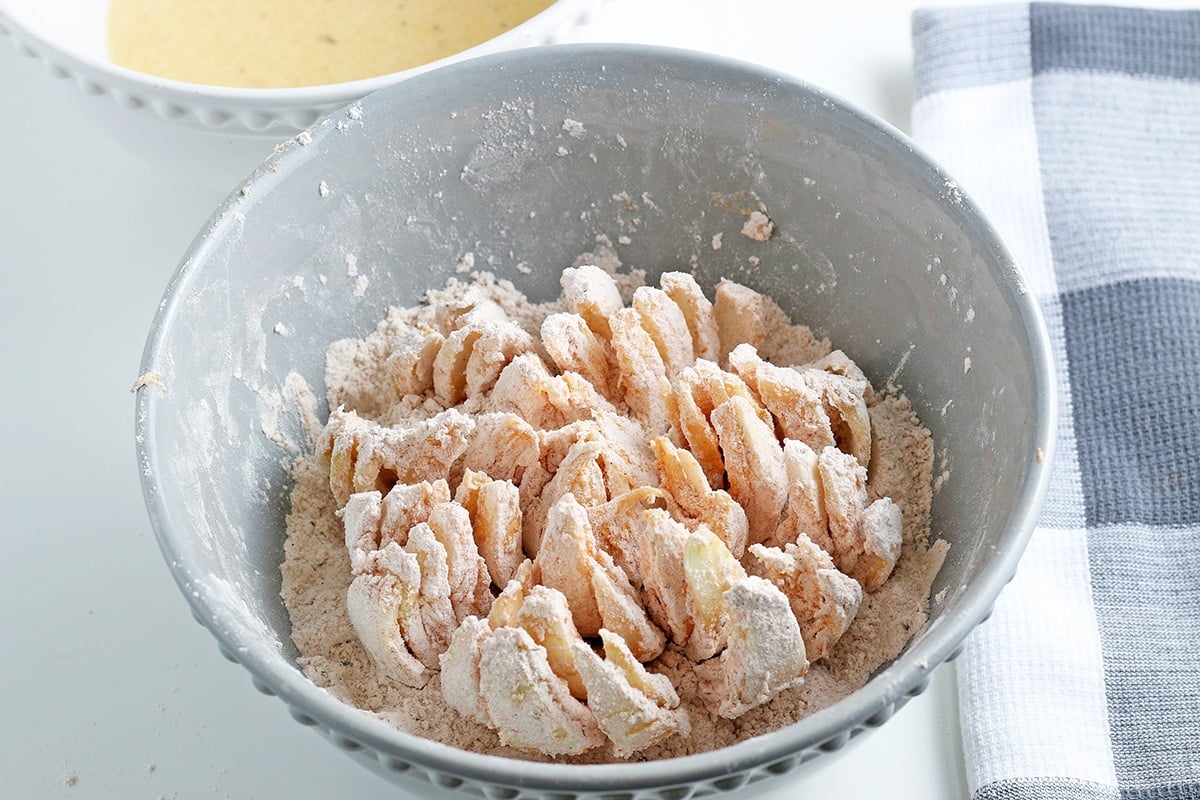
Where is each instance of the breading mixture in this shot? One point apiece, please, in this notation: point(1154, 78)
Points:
point(632, 524)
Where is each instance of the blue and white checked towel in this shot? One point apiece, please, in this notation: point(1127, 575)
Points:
point(1077, 130)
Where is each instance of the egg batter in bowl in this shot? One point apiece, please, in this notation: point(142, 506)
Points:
point(283, 43)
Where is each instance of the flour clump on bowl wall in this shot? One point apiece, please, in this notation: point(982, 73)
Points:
point(631, 523)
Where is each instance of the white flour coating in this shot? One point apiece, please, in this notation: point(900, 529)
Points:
point(758, 227)
point(148, 379)
point(316, 570)
point(230, 367)
point(573, 128)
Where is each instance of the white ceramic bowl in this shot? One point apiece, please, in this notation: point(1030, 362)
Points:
point(70, 38)
point(467, 158)
point(208, 137)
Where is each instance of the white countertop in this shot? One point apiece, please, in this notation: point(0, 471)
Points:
point(109, 689)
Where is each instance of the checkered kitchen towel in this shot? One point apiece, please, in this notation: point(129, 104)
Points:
point(1077, 130)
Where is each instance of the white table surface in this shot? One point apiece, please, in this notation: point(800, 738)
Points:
point(108, 689)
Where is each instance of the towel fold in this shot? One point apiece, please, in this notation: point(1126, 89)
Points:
point(1077, 131)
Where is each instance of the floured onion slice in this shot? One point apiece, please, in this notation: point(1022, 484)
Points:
point(633, 707)
point(528, 705)
point(494, 511)
point(764, 652)
point(381, 599)
point(824, 600)
point(597, 591)
point(365, 456)
point(527, 673)
point(411, 588)
point(865, 538)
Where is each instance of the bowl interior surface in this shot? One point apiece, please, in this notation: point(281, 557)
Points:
point(524, 159)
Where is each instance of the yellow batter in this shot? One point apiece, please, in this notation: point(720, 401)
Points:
point(277, 43)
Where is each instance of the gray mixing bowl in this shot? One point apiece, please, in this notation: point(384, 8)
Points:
point(523, 159)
